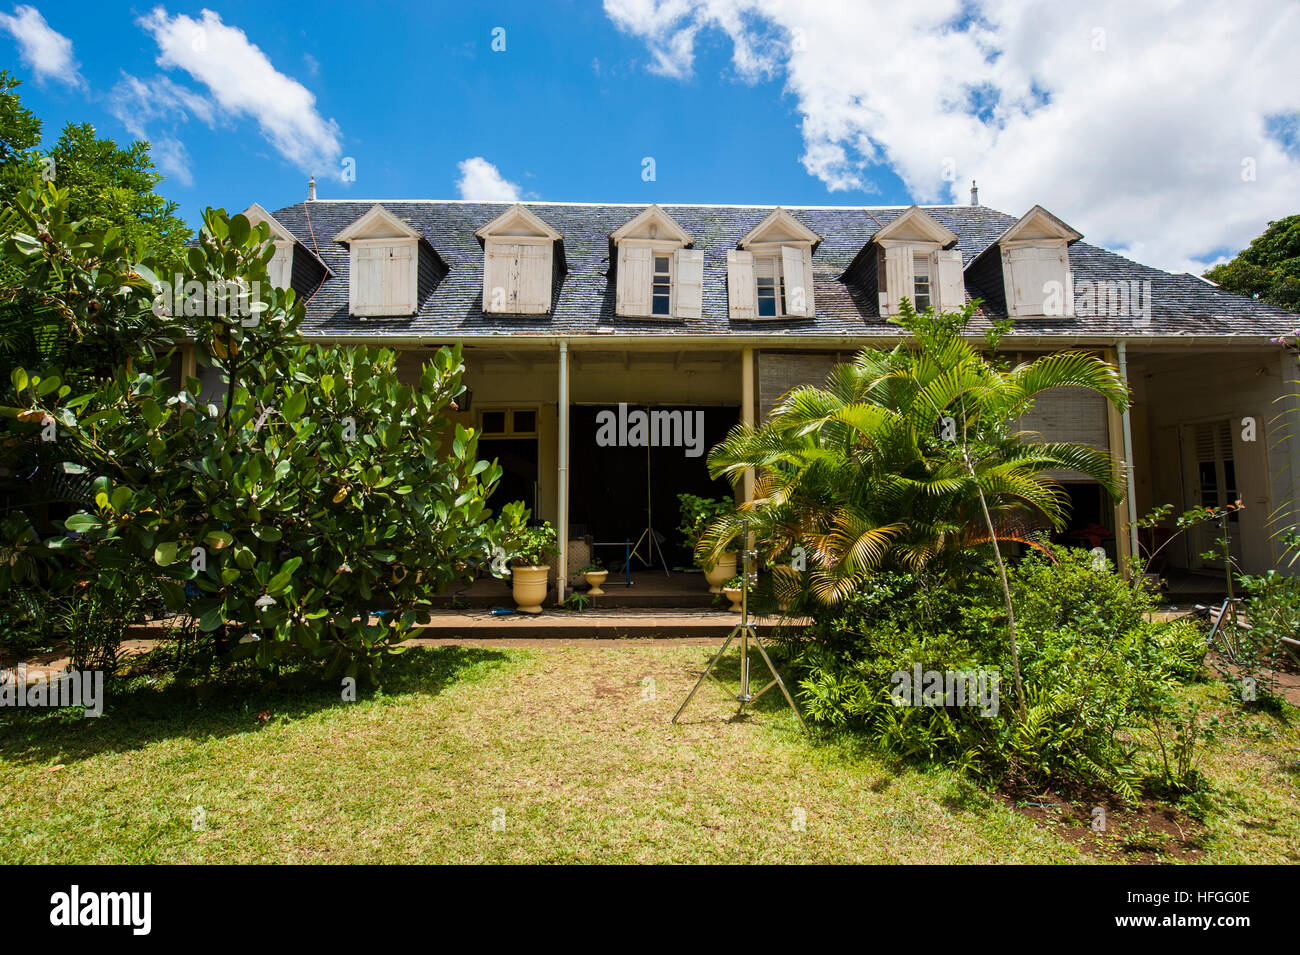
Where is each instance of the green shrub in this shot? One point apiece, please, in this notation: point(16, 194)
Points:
point(525, 545)
point(1096, 669)
point(697, 513)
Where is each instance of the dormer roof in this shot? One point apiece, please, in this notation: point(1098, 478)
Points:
point(652, 224)
point(915, 223)
point(779, 227)
point(378, 223)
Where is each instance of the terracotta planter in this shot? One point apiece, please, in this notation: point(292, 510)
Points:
point(594, 579)
point(529, 587)
point(720, 573)
point(733, 594)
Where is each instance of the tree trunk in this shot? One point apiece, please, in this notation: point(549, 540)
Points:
point(1006, 594)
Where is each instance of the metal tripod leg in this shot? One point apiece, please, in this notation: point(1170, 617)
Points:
point(703, 676)
point(779, 682)
point(747, 630)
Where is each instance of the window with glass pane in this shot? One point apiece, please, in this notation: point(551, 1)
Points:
point(523, 422)
point(771, 287)
point(661, 291)
point(921, 272)
point(494, 422)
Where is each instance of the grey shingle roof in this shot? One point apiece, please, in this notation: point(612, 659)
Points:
point(1182, 305)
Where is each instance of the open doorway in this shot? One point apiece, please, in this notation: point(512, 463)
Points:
point(509, 436)
point(618, 489)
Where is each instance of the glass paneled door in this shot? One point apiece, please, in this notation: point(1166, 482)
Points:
point(1210, 481)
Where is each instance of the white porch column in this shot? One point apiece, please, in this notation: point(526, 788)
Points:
point(747, 407)
point(1131, 490)
point(562, 462)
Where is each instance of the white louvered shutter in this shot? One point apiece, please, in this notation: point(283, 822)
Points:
point(690, 283)
point(796, 273)
point(740, 284)
point(946, 267)
point(900, 279)
point(633, 283)
point(534, 271)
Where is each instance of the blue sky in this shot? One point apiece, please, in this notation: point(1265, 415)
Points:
point(567, 111)
point(1136, 126)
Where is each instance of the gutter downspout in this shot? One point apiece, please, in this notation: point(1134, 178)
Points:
point(562, 460)
point(1130, 490)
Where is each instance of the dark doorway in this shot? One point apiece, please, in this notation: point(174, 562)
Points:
point(608, 484)
point(518, 460)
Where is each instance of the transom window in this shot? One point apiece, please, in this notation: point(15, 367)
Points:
point(662, 286)
point(771, 287)
point(508, 422)
point(921, 273)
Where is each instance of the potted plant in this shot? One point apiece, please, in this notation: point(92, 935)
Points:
point(731, 590)
point(527, 549)
point(595, 576)
point(697, 513)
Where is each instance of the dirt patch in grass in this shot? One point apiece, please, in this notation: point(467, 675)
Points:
point(1101, 825)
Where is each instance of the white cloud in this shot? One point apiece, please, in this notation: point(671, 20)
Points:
point(46, 51)
point(1130, 121)
point(480, 181)
point(241, 82)
point(136, 102)
point(173, 159)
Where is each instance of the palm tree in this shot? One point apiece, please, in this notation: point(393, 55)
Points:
point(910, 457)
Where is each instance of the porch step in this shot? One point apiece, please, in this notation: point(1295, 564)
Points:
point(648, 591)
point(588, 624)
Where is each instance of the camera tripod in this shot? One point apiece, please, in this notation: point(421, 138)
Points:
point(746, 631)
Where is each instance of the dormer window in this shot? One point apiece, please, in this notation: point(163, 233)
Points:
point(661, 287)
point(915, 260)
point(520, 256)
point(770, 275)
point(385, 259)
point(770, 286)
point(656, 275)
point(921, 297)
point(1036, 265)
point(280, 267)
point(290, 255)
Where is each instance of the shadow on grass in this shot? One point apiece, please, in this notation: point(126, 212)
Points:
point(143, 709)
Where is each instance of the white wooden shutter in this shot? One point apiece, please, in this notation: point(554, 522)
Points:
point(534, 290)
point(1027, 271)
point(399, 279)
point(741, 290)
point(900, 279)
point(499, 264)
point(690, 283)
point(280, 268)
point(796, 272)
point(945, 266)
point(366, 279)
point(632, 288)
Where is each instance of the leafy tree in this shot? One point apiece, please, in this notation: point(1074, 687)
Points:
point(909, 457)
point(317, 491)
point(20, 130)
point(108, 190)
point(1268, 269)
point(113, 187)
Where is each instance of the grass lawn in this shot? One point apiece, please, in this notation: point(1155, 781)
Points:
point(556, 754)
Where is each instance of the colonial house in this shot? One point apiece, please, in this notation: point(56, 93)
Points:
point(609, 345)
